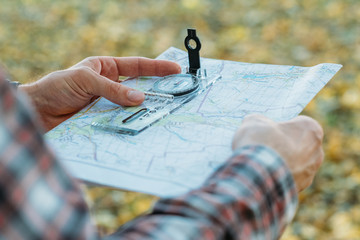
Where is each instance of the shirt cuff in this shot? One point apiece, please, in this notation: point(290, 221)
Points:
point(262, 192)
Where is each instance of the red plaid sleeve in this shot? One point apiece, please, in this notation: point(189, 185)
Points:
point(253, 196)
point(38, 199)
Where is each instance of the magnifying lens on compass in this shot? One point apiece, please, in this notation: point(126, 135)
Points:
point(177, 84)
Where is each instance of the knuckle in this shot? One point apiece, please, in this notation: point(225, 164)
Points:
point(114, 89)
point(318, 133)
point(90, 59)
point(82, 71)
point(313, 126)
point(256, 118)
point(119, 92)
point(318, 129)
point(57, 73)
point(308, 122)
point(84, 77)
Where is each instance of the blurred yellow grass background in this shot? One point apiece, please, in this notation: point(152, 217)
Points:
point(40, 36)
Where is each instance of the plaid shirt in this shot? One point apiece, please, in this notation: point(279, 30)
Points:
point(252, 196)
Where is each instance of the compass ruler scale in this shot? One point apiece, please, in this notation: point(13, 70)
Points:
point(167, 94)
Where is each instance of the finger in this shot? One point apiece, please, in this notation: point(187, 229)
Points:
point(306, 177)
point(113, 67)
point(307, 123)
point(138, 66)
point(115, 92)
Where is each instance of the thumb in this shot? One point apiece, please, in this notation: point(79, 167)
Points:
point(116, 92)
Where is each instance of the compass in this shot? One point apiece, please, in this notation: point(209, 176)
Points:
point(166, 95)
point(177, 84)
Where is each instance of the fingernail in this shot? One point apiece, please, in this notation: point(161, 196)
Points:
point(135, 95)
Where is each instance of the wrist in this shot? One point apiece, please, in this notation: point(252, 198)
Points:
point(37, 101)
point(32, 91)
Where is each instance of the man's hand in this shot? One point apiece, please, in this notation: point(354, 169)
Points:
point(298, 142)
point(61, 94)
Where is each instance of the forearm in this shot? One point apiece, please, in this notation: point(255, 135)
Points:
point(252, 196)
point(40, 200)
point(46, 103)
point(36, 100)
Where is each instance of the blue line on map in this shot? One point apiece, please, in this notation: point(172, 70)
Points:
point(254, 76)
point(176, 134)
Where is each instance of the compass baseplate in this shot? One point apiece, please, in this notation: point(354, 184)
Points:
point(155, 107)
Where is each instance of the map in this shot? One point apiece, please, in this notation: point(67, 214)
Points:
point(179, 152)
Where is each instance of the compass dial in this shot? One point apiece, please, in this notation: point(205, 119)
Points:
point(177, 84)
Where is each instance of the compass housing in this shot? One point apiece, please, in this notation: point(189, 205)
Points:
point(177, 84)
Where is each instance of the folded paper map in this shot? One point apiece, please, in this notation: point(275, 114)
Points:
point(179, 152)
